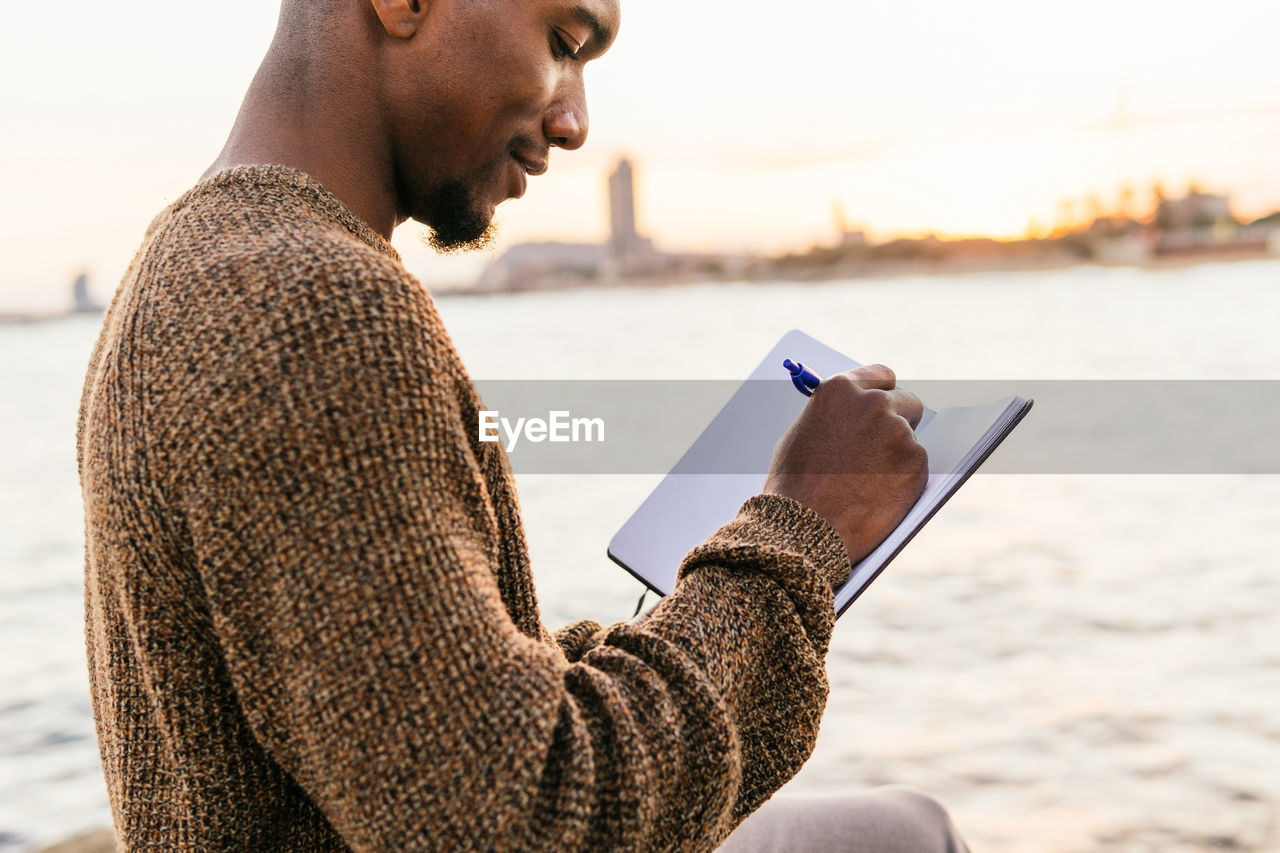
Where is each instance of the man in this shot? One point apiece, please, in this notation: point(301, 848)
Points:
point(310, 619)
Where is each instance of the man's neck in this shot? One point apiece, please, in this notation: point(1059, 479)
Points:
point(322, 133)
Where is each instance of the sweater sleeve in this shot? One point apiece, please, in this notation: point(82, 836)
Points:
point(348, 550)
point(576, 638)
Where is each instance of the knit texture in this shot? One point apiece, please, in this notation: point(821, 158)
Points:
point(310, 618)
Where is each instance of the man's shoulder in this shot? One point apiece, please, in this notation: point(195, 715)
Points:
point(246, 268)
point(259, 237)
point(271, 219)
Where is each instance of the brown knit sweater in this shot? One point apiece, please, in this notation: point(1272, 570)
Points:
point(310, 618)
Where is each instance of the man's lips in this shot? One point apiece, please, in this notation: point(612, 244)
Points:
point(527, 165)
point(518, 180)
point(532, 165)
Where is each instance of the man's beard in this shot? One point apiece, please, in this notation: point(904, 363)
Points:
point(456, 221)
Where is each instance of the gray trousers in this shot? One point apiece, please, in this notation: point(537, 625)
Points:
point(893, 819)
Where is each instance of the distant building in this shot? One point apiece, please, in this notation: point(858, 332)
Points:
point(854, 238)
point(82, 302)
point(625, 255)
point(1196, 210)
point(622, 211)
point(529, 266)
point(1131, 249)
point(849, 238)
point(628, 252)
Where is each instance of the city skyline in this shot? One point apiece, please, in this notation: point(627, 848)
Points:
point(1149, 229)
point(914, 117)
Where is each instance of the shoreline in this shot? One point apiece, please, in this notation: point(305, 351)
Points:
point(31, 318)
point(852, 273)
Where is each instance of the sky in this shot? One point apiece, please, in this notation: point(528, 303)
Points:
point(748, 122)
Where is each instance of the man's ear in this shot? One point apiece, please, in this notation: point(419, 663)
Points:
point(401, 18)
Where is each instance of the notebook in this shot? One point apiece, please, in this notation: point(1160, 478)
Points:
point(726, 463)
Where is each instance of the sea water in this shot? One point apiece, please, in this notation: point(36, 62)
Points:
point(1069, 663)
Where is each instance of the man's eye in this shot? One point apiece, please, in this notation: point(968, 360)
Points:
point(561, 47)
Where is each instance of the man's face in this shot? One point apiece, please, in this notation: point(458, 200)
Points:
point(480, 95)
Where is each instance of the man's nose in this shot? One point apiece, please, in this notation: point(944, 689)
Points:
point(565, 124)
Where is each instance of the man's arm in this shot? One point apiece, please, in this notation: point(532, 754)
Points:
point(349, 555)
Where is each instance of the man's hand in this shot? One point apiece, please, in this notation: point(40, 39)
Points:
point(852, 457)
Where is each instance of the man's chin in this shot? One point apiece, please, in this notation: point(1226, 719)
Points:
point(454, 243)
point(457, 221)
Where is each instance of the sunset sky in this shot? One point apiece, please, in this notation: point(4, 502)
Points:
point(747, 121)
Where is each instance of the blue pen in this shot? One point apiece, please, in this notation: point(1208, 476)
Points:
point(802, 377)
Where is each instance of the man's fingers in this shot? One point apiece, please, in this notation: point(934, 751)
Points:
point(907, 405)
point(881, 378)
point(873, 376)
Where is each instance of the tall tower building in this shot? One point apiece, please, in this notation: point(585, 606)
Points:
point(624, 242)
